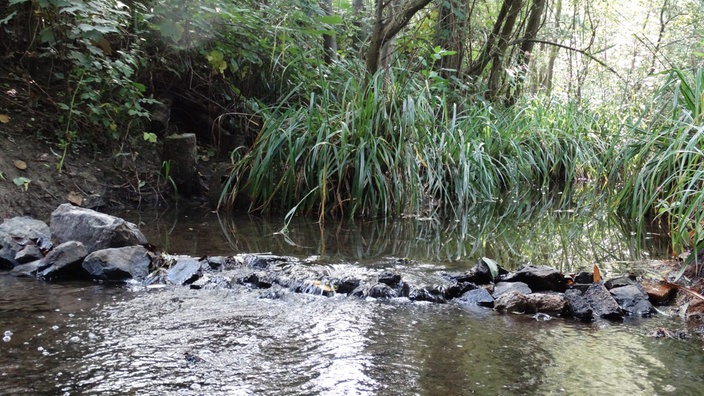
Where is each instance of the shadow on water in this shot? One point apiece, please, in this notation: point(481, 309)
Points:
point(516, 232)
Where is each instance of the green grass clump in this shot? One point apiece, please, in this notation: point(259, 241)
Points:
point(660, 169)
point(396, 146)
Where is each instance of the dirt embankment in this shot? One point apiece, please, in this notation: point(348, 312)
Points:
point(30, 181)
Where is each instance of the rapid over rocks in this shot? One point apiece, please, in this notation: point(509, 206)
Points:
point(84, 244)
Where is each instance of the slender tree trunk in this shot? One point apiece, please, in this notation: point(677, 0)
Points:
point(329, 40)
point(451, 28)
point(535, 18)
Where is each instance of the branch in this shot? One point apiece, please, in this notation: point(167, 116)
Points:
point(402, 18)
point(585, 53)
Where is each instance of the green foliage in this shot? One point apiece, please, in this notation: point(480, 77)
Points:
point(401, 149)
point(659, 173)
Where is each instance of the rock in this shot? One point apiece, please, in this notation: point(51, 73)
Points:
point(579, 306)
point(479, 297)
point(94, 229)
point(621, 281)
point(15, 234)
point(457, 289)
point(504, 287)
point(262, 261)
point(382, 290)
point(117, 264)
point(185, 271)
point(481, 273)
point(514, 301)
point(28, 254)
point(64, 262)
point(347, 285)
point(434, 295)
point(602, 302)
point(583, 277)
point(659, 293)
point(259, 280)
point(633, 300)
point(541, 278)
point(390, 278)
point(211, 283)
point(26, 270)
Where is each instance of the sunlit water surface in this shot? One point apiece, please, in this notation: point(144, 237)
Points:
point(85, 338)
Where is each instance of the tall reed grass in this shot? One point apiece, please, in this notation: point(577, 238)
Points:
point(396, 146)
point(659, 172)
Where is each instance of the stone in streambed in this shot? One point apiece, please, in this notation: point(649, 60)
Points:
point(185, 271)
point(117, 264)
point(479, 297)
point(542, 278)
point(602, 302)
point(64, 262)
point(15, 234)
point(633, 300)
point(505, 287)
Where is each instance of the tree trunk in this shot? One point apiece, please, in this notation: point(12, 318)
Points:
point(329, 40)
point(386, 28)
point(534, 21)
point(451, 35)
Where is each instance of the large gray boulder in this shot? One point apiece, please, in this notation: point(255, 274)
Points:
point(94, 229)
point(117, 264)
point(186, 270)
point(602, 302)
point(15, 234)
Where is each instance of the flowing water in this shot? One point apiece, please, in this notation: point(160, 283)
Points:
point(87, 338)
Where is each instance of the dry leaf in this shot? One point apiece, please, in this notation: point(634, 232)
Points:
point(75, 198)
point(4, 118)
point(19, 164)
point(597, 274)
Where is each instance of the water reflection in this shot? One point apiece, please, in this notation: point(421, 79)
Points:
point(541, 234)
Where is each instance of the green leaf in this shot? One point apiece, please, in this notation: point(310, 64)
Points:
point(493, 266)
point(150, 137)
point(330, 19)
point(22, 182)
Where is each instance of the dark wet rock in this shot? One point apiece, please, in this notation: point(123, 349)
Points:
point(29, 253)
point(382, 290)
point(633, 300)
point(64, 262)
point(480, 274)
point(26, 270)
point(542, 278)
point(15, 234)
point(583, 277)
point(579, 305)
point(621, 281)
point(184, 271)
point(347, 285)
point(259, 280)
point(458, 288)
point(217, 262)
point(479, 297)
point(602, 302)
point(117, 264)
point(514, 301)
point(662, 332)
point(433, 294)
point(505, 287)
point(94, 229)
point(390, 278)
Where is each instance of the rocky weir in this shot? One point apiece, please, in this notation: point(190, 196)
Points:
point(82, 244)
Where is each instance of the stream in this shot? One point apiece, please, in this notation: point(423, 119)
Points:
point(89, 338)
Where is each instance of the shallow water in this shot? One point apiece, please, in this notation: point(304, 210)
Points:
point(89, 339)
point(86, 338)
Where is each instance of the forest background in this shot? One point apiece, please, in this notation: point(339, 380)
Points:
point(413, 108)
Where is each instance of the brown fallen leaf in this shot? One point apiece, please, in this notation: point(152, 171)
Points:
point(19, 164)
point(75, 198)
point(4, 118)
